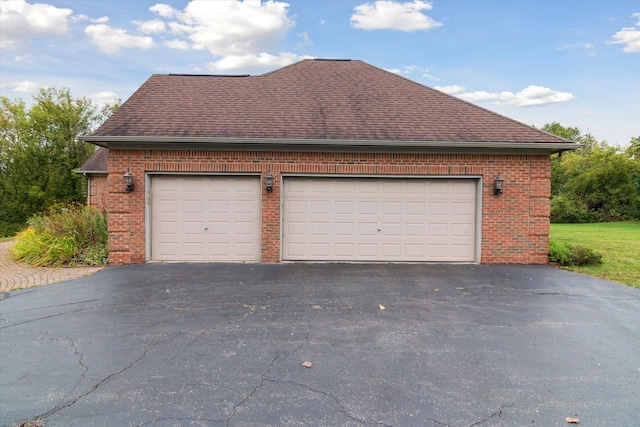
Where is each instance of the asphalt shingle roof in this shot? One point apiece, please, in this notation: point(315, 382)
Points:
point(312, 99)
point(97, 162)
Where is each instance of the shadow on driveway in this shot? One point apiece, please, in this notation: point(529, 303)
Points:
point(223, 344)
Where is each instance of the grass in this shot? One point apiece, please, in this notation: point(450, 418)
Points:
point(618, 242)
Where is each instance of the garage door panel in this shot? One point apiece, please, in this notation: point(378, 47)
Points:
point(415, 208)
point(320, 250)
point(415, 251)
point(205, 218)
point(218, 227)
point(320, 207)
point(245, 229)
point(391, 250)
point(414, 229)
point(245, 207)
point(437, 251)
point(461, 208)
point(462, 230)
point(344, 228)
point(367, 219)
point(344, 249)
point(438, 230)
point(320, 228)
point(391, 229)
point(219, 206)
point(193, 227)
point(391, 208)
point(367, 250)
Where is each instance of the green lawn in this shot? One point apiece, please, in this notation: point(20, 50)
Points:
point(618, 242)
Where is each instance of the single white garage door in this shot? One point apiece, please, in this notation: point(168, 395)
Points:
point(205, 218)
point(373, 219)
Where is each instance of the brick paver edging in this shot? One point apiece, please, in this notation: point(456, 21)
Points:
point(17, 275)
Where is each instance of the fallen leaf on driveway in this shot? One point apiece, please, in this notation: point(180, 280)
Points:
point(307, 364)
point(382, 307)
point(572, 420)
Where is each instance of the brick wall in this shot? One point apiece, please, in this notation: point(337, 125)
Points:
point(97, 187)
point(515, 225)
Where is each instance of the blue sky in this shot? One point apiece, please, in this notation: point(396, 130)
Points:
point(572, 61)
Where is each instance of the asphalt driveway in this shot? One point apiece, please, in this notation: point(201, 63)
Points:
point(223, 344)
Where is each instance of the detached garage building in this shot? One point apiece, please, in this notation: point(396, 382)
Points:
point(323, 160)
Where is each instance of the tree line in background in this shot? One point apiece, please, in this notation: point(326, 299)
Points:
point(40, 149)
point(595, 183)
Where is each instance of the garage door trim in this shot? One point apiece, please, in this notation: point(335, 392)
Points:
point(147, 196)
point(478, 203)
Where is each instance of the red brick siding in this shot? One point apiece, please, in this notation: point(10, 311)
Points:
point(97, 187)
point(515, 225)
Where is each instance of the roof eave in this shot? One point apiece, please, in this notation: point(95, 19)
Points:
point(89, 172)
point(274, 144)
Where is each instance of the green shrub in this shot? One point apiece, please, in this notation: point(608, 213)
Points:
point(66, 235)
point(10, 229)
point(565, 210)
point(573, 255)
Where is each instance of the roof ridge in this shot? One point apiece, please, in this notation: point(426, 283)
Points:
point(286, 67)
point(207, 75)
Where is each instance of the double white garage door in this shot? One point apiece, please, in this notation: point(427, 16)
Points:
point(218, 218)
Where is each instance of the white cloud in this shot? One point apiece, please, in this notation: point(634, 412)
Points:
point(393, 70)
point(451, 90)
point(589, 48)
point(231, 28)
point(408, 70)
point(629, 36)
point(163, 10)
point(111, 40)
point(305, 40)
point(19, 20)
point(527, 97)
point(106, 97)
point(150, 27)
point(177, 44)
point(101, 20)
point(252, 63)
point(78, 18)
point(23, 58)
point(392, 15)
point(26, 87)
point(431, 77)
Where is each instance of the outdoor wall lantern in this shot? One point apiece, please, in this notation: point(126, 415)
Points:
point(498, 189)
point(268, 182)
point(128, 181)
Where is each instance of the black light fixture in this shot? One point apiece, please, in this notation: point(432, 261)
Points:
point(268, 182)
point(128, 181)
point(498, 189)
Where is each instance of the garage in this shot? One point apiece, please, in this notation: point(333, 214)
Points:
point(205, 218)
point(379, 219)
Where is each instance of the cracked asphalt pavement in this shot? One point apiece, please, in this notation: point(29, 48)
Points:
point(223, 344)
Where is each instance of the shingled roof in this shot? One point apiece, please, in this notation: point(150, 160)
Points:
point(331, 100)
point(97, 163)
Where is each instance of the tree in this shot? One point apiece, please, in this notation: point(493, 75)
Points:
point(39, 150)
point(596, 183)
point(633, 150)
